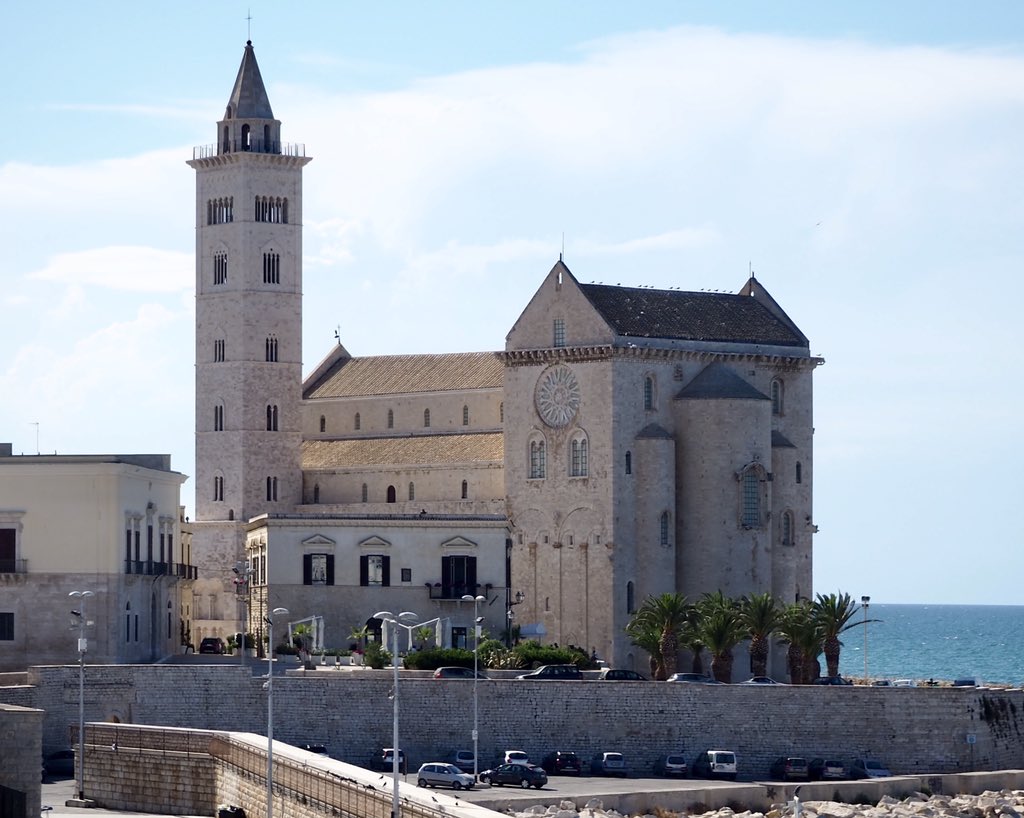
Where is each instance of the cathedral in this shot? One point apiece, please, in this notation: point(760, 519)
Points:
point(626, 442)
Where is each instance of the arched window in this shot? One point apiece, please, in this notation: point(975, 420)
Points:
point(358, 422)
point(391, 494)
point(629, 462)
point(630, 598)
point(777, 396)
point(412, 491)
point(271, 489)
point(323, 423)
point(465, 416)
point(663, 528)
point(366, 493)
point(501, 412)
point(578, 456)
point(272, 348)
point(218, 488)
point(799, 472)
point(391, 419)
point(649, 393)
point(218, 418)
point(245, 137)
point(465, 490)
point(750, 501)
point(271, 418)
point(538, 459)
point(426, 418)
point(316, 492)
point(787, 528)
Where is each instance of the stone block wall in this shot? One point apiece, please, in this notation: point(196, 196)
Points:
point(21, 753)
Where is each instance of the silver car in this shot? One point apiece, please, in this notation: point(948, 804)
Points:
point(442, 774)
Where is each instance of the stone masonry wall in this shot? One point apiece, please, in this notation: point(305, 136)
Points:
point(914, 730)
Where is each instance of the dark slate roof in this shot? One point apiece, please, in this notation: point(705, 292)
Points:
point(653, 430)
point(718, 381)
point(780, 441)
point(717, 317)
point(249, 98)
point(403, 374)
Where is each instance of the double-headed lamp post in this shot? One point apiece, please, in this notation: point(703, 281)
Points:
point(864, 600)
point(83, 646)
point(395, 620)
point(242, 572)
point(270, 707)
point(476, 600)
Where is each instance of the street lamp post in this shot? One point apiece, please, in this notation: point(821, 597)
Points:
point(476, 600)
point(83, 646)
point(270, 708)
point(242, 571)
point(864, 600)
point(396, 622)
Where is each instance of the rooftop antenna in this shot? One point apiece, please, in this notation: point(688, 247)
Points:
point(337, 334)
point(561, 254)
point(36, 424)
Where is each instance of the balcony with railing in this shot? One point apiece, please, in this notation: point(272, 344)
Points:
point(455, 591)
point(253, 146)
point(153, 568)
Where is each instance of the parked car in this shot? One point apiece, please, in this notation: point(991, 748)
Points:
point(525, 775)
point(672, 765)
point(618, 675)
point(881, 683)
point(868, 768)
point(561, 762)
point(966, 681)
point(553, 672)
point(455, 672)
point(464, 760)
point(832, 680)
point(693, 678)
point(60, 763)
point(515, 757)
point(715, 764)
point(789, 768)
point(761, 680)
point(826, 769)
point(384, 760)
point(212, 644)
point(317, 749)
point(443, 774)
point(608, 764)
point(904, 683)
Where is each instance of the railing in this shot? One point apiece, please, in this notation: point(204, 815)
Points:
point(254, 146)
point(438, 590)
point(154, 568)
point(13, 566)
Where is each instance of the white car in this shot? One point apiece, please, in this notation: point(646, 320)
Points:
point(516, 757)
point(443, 774)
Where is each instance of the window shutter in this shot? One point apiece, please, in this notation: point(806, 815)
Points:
point(385, 574)
point(471, 575)
point(364, 570)
point(330, 569)
point(446, 577)
point(307, 569)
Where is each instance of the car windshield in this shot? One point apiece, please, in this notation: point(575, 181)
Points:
point(871, 764)
point(675, 760)
point(723, 758)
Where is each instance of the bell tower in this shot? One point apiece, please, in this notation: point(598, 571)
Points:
point(248, 337)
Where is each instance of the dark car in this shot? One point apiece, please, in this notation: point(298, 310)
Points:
point(693, 679)
point(761, 680)
point(316, 749)
point(454, 672)
point(620, 675)
point(608, 764)
point(789, 768)
point(832, 680)
point(562, 763)
point(211, 644)
point(525, 775)
point(554, 672)
point(672, 765)
point(826, 769)
point(60, 763)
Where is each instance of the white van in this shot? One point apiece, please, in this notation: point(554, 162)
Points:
point(715, 764)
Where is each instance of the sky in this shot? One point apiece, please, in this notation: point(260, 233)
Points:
point(862, 159)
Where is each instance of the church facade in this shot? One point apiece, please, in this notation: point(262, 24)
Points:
point(626, 441)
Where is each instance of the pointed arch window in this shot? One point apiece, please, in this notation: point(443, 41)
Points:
point(786, 533)
point(663, 526)
point(272, 348)
point(271, 268)
point(579, 456)
point(218, 417)
point(777, 397)
point(271, 418)
point(220, 267)
point(538, 459)
point(218, 350)
point(218, 491)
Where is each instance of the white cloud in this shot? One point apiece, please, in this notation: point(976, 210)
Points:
point(141, 269)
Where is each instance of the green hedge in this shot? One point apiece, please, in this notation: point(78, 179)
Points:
point(438, 657)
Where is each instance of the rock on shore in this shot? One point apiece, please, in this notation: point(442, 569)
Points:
point(989, 804)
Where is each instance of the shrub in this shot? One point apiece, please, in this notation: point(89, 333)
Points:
point(533, 653)
point(375, 656)
point(438, 657)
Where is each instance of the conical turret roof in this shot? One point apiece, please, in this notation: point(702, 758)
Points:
point(249, 96)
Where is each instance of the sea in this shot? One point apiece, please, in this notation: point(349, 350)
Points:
point(940, 642)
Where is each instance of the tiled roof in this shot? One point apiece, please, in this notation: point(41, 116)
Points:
point(717, 381)
point(248, 98)
point(403, 451)
point(716, 317)
point(402, 374)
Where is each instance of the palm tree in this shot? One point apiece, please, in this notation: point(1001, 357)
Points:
point(721, 629)
point(666, 615)
point(760, 615)
point(833, 614)
point(647, 638)
point(798, 629)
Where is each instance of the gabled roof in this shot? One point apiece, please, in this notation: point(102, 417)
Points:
point(406, 451)
point(717, 382)
point(654, 431)
point(249, 98)
point(674, 314)
point(404, 374)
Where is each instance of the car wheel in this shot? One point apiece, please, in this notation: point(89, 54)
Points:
point(421, 783)
point(538, 785)
point(524, 783)
point(456, 785)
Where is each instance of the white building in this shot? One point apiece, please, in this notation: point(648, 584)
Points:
point(108, 524)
